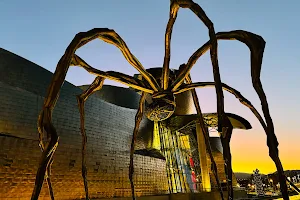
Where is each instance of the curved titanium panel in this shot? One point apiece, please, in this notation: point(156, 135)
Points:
point(109, 128)
point(186, 123)
point(216, 144)
point(124, 97)
point(184, 104)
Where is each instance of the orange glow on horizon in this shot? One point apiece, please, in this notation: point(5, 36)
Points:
point(250, 151)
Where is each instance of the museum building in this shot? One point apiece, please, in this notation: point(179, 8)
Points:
point(166, 156)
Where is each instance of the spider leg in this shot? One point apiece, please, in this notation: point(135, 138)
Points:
point(225, 140)
point(96, 85)
point(165, 71)
point(293, 185)
point(111, 37)
point(111, 75)
point(45, 116)
point(206, 136)
point(256, 44)
point(227, 132)
point(48, 172)
point(199, 12)
point(138, 119)
point(45, 119)
point(229, 89)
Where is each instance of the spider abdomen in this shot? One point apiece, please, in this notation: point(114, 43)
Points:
point(160, 108)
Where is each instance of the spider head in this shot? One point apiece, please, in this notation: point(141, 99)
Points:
point(162, 106)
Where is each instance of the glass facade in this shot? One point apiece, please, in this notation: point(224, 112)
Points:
point(179, 164)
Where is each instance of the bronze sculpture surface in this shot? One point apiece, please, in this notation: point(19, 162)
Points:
point(162, 94)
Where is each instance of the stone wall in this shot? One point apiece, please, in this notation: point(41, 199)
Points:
point(109, 128)
point(218, 157)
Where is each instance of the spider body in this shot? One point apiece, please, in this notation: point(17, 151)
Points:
point(158, 90)
point(162, 106)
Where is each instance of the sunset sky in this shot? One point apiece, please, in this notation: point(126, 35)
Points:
point(40, 32)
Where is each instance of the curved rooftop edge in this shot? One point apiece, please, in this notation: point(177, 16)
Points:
point(16, 70)
point(186, 123)
point(242, 121)
point(19, 72)
point(120, 96)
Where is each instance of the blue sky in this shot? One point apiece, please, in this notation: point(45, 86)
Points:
point(40, 32)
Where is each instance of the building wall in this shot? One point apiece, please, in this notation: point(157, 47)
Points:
point(218, 157)
point(119, 96)
point(109, 128)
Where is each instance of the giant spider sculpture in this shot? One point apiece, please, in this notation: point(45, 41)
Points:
point(162, 94)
